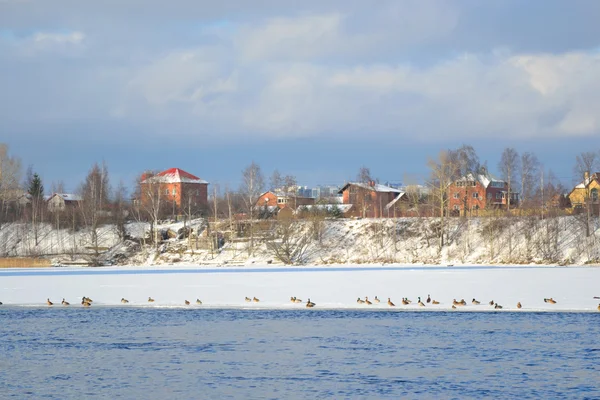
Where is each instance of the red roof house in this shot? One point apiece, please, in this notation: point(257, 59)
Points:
point(177, 186)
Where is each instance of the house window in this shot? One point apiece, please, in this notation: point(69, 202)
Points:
point(167, 192)
point(456, 208)
point(475, 207)
point(456, 195)
point(197, 192)
point(594, 194)
point(174, 191)
point(475, 195)
point(498, 196)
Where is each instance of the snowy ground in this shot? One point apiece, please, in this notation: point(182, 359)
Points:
point(335, 287)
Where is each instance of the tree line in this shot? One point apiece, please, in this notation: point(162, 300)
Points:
point(101, 202)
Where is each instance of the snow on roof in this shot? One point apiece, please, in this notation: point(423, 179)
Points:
point(174, 175)
point(391, 203)
point(377, 187)
point(484, 179)
point(587, 181)
point(327, 207)
point(68, 196)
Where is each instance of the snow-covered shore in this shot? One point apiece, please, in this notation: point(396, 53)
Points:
point(476, 241)
point(332, 287)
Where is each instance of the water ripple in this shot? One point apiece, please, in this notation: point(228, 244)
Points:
point(156, 353)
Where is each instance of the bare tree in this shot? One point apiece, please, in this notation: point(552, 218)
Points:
point(442, 175)
point(584, 167)
point(290, 188)
point(10, 175)
point(57, 187)
point(290, 244)
point(94, 192)
point(509, 166)
point(152, 201)
point(276, 180)
point(362, 196)
point(35, 190)
point(120, 209)
point(530, 169)
point(250, 190)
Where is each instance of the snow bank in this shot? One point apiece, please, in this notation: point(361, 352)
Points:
point(336, 287)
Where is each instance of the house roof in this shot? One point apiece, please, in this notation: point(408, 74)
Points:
point(174, 175)
point(375, 187)
point(27, 196)
point(68, 196)
point(391, 203)
point(326, 207)
point(587, 181)
point(483, 179)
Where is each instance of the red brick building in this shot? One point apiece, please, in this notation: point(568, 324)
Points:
point(472, 193)
point(369, 199)
point(177, 187)
point(271, 199)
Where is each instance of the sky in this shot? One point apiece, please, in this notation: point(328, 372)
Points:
point(314, 89)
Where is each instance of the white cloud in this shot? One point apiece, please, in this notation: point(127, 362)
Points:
point(341, 72)
point(499, 95)
point(469, 96)
point(59, 38)
point(293, 38)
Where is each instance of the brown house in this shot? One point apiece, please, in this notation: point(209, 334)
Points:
point(590, 186)
point(176, 186)
point(62, 201)
point(274, 199)
point(478, 192)
point(369, 199)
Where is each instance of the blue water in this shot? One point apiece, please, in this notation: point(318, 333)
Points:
point(105, 352)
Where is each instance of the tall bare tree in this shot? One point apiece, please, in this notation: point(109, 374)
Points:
point(290, 186)
point(35, 190)
point(443, 172)
point(120, 209)
point(509, 166)
point(275, 181)
point(529, 171)
point(10, 175)
point(94, 192)
point(57, 187)
point(152, 200)
point(584, 167)
point(362, 197)
point(252, 187)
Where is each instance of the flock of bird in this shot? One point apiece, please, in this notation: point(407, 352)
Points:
point(455, 303)
point(87, 302)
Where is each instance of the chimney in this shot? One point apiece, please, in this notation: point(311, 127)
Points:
point(372, 183)
point(586, 177)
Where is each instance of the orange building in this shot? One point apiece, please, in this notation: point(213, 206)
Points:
point(271, 199)
point(471, 193)
point(175, 186)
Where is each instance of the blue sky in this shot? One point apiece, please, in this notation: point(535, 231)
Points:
point(316, 89)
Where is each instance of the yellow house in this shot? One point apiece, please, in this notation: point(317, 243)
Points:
point(579, 193)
